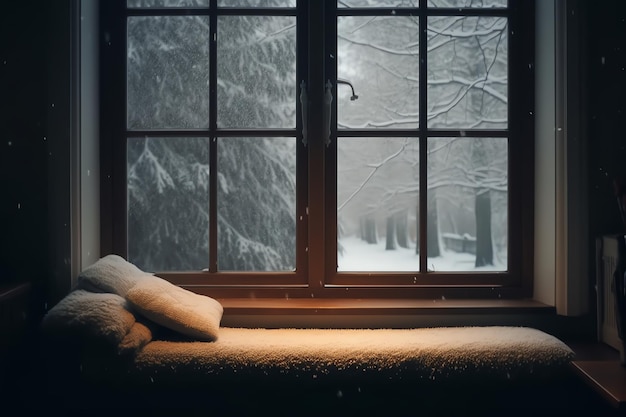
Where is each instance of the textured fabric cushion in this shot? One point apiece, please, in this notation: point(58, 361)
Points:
point(112, 274)
point(424, 355)
point(176, 308)
point(139, 335)
point(86, 317)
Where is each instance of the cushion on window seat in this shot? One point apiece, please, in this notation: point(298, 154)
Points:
point(193, 353)
point(426, 354)
point(190, 314)
point(110, 274)
point(102, 320)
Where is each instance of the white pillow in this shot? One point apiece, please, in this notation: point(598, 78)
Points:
point(176, 308)
point(112, 274)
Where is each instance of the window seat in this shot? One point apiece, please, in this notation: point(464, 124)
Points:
point(123, 337)
point(496, 353)
point(247, 369)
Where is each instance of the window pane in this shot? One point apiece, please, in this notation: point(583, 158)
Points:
point(377, 3)
point(379, 56)
point(256, 204)
point(377, 199)
point(168, 203)
point(467, 204)
point(167, 3)
point(256, 71)
point(256, 3)
point(467, 72)
point(168, 72)
point(468, 3)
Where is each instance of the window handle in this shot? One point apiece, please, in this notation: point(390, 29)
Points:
point(304, 101)
point(342, 81)
point(328, 99)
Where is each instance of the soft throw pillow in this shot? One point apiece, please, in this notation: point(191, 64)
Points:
point(112, 274)
point(84, 317)
point(176, 308)
point(138, 336)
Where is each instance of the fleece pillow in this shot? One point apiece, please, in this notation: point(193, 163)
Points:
point(138, 336)
point(112, 274)
point(84, 317)
point(176, 308)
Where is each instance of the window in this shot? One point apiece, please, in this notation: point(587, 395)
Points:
point(321, 149)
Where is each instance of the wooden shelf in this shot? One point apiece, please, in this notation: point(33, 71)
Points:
point(608, 378)
point(599, 366)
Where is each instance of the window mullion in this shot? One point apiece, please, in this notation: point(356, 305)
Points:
point(329, 58)
point(316, 171)
point(214, 141)
point(302, 187)
point(423, 139)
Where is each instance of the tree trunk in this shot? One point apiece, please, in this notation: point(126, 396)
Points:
point(362, 228)
point(368, 229)
point(432, 226)
point(417, 227)
point(484, 247)
point(402, 236)
point(391, 233)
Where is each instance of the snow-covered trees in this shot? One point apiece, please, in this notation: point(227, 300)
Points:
point(467, 89)
point(169, 175)
point(204, 133)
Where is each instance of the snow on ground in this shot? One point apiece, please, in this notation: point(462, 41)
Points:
point(358, 255)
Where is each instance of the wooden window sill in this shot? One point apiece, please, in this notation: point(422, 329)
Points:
point(599, 367)
point(300, 306)
point(10, 291)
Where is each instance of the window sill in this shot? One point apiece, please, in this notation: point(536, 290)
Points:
point(338, 306)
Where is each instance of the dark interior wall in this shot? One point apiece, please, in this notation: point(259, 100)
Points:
point(34, 147)
point(24, 181)
point(607, 111)
point(59, 121)
point(23, 144)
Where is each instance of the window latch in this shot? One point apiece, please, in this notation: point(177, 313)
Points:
point(304, 101)
point(328, 99)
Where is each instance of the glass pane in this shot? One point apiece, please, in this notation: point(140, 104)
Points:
point(467, 204)
point(467, 72)
point(168, 203)
point(256, 72)
point(468, 3)
point(378, 55)
point(377, 199)
point(167, 3)
point(256, 199)
point(168, 72)
point(377, 3)
point(256, 3)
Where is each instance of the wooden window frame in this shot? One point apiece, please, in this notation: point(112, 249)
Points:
point(316, 276)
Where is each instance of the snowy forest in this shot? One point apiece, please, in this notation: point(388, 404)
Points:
point(168, 87)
